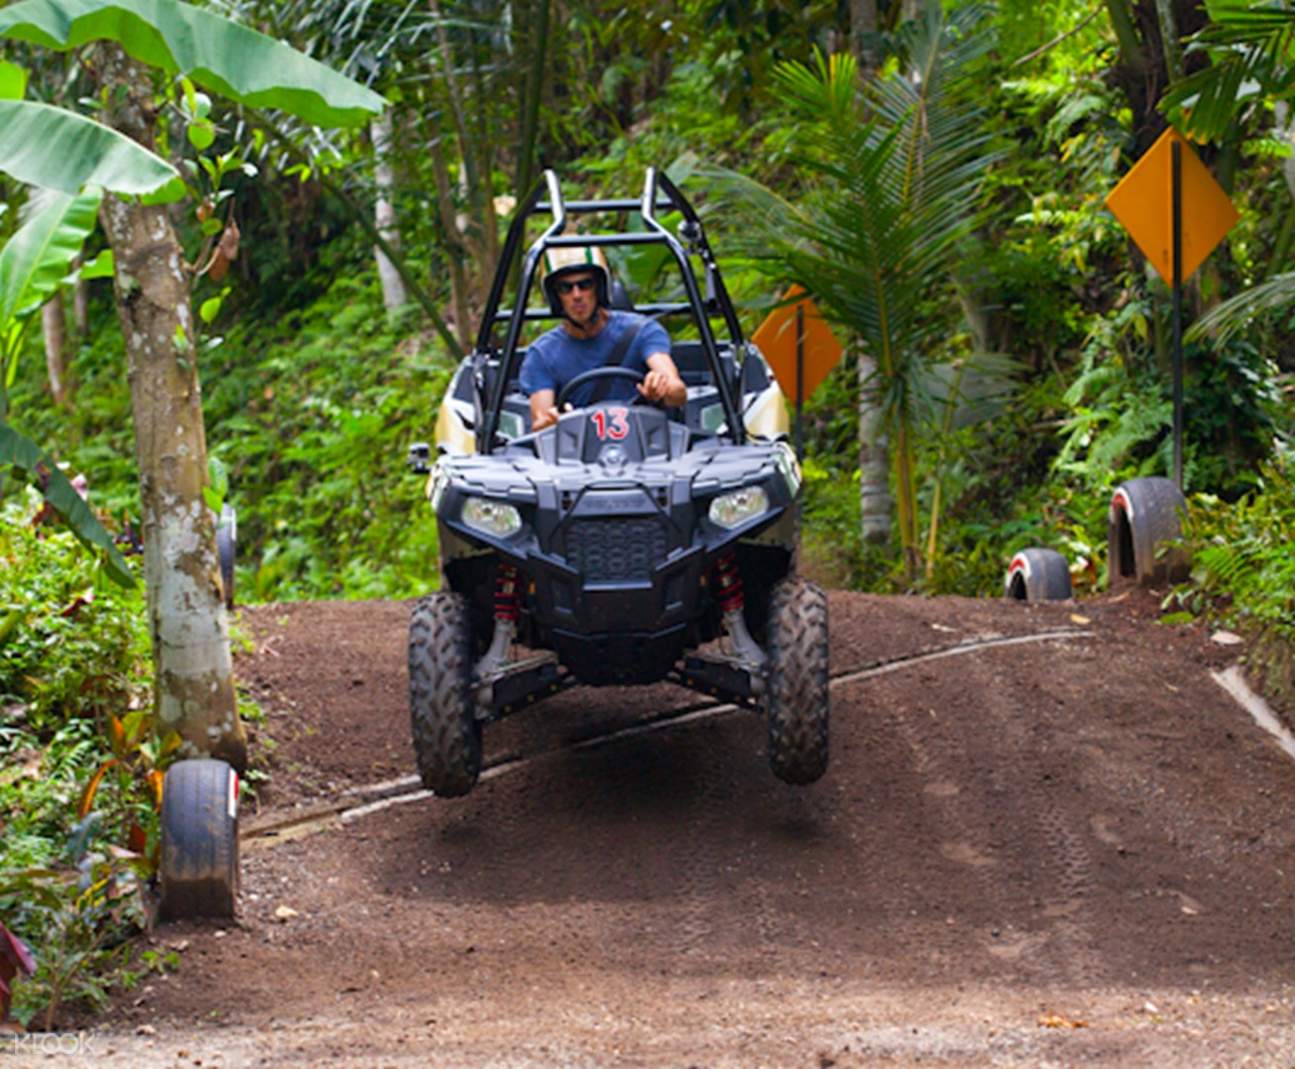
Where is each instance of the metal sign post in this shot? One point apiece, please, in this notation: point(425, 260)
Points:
point(1176, 186)
point(800, 375)
point(1174, 243)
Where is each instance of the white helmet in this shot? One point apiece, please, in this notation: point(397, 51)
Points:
point(567, 259)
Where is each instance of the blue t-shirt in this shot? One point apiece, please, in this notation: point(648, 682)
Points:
point(555, 357)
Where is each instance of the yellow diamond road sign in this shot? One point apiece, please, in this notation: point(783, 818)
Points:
point(776, 339)
point(1143, 202)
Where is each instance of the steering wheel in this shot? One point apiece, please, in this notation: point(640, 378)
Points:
point(600, 373)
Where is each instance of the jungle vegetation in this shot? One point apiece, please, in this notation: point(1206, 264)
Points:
point(934, 174)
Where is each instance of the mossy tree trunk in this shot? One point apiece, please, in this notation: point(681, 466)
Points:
point(191, 653)
point(384, 213)
point(54, 328)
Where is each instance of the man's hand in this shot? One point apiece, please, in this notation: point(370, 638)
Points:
point(544, 410)
point(662, 382)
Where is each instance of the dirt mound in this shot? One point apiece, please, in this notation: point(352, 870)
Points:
point(1037, 818)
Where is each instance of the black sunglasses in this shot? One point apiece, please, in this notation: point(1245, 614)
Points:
point(582, 284)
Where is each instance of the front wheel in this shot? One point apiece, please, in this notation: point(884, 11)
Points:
point(796, 699)
point(447, 734)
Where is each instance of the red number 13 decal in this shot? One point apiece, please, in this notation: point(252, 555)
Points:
point(611, 423)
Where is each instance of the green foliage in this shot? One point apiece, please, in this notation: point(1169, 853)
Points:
point(81, 916)
point(1238, 312)
point(1243, 571)
point(1249, 47)
point(73, 668)
point(13, 81)
point(32, 265)
point(35, 260)
point(72, 645)
point(896, 165)
point(311, 417)
point(1121, 414)
point(95, 436)
point(63, 499)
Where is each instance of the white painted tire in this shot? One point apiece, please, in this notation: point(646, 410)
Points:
point(1145, 513)
point(226, 547)
point(1038, 575)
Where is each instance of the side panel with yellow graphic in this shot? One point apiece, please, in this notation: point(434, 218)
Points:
point(452, 431)
point(765, 416)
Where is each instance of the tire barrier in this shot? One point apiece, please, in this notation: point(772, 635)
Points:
point(198, 868)
point(226, 544)
point(1145, 513)
point(1038, 575)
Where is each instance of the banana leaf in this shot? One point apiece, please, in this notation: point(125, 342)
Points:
point(233, 60)
point(34, 262)
point(57, 149)
point(21, 451)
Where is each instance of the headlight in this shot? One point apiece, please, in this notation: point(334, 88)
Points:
point(789, 466)
point(737, 506)
point(496, 518)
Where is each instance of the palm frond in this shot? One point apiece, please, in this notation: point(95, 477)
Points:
point(1235, 313)
point(1250, 50)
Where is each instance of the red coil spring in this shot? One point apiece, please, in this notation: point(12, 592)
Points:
point(508, 593)
point(729, 583)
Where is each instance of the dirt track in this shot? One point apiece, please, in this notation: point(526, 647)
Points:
point(1010, 842)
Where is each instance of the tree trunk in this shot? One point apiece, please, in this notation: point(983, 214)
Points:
point(384, 214)
point(194, 682)
point(1150, 33)
point(906, 492)
point(54, 327)
point(452, 242)
point(1173, 48)
point(863, 24)
point(1140, 79)
point(874, 464)
point(81, 307)
point(530, 103)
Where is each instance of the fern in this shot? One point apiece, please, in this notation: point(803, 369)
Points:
point(1243, 572)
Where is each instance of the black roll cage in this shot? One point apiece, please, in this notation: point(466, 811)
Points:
point(659, 193)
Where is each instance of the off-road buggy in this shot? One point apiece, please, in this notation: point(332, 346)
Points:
point(620, 544)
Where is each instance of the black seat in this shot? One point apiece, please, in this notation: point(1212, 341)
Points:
point(619, 297)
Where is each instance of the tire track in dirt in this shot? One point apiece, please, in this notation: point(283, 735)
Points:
point(948, 787)
point(700, 896)
point(1026, 766)
point(1079, 960)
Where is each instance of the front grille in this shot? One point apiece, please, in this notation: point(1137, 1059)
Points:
point(608, 550)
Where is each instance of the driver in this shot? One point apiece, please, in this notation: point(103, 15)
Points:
point(576, 281)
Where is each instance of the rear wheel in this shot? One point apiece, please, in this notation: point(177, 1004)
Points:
point(199, 856)
point(447, 734)
point(796, 700)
